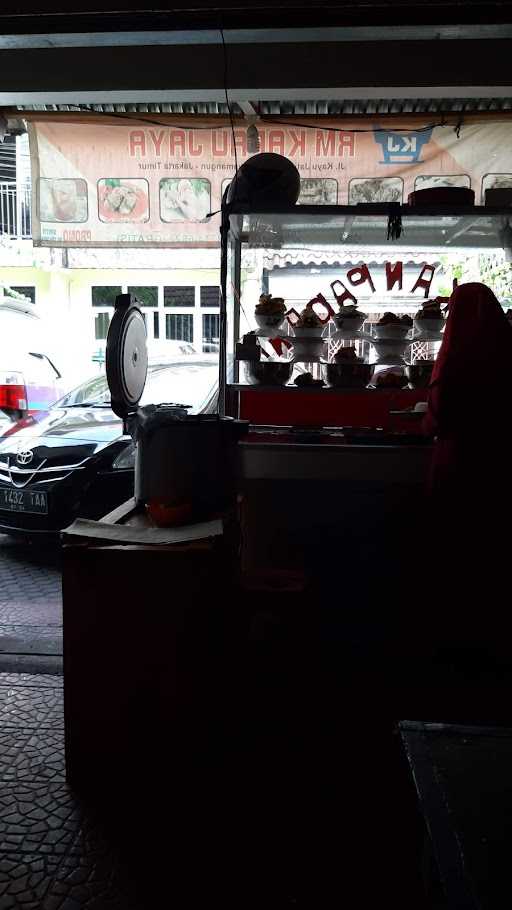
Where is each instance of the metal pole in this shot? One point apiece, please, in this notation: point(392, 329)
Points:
point(224, 234)
point(236, 283)
point(19, 191)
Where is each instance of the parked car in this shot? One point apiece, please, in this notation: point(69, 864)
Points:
point(29, 380)
point(75, 460)
point(158, 351)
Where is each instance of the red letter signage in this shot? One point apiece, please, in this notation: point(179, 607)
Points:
point(394, 275)
point(346, 293)
point(424, 282)
point(363, 274)
point(137, 144)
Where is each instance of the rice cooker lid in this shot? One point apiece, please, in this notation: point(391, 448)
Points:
point(126, 356)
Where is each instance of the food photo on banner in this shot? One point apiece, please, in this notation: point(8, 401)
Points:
point(141, 184)
point(124, 200)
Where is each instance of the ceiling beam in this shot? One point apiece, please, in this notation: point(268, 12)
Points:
point(254, 36)
point(102, 96)
point(59, 16)
point(305, 71)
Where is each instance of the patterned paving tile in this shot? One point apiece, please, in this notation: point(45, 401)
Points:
point(30, 608)
point(30, 584)
point(31, 663)
point(38, 818)
point(21, 639)
point(36, 755)
point(45, 612)
point(19, 592)
point(31, 680)
point(30, 708)
point(25, 879)
point(99, 881)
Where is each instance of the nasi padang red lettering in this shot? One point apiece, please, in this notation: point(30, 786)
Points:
point(319, 311)
point(361, 275)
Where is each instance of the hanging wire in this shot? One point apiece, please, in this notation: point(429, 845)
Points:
point(139, 118)
point(280, 122)
point(226, 83)
point(394, 223)
point(341, 129)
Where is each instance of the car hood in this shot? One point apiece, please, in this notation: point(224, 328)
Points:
point(96, 425)
point(62, 436)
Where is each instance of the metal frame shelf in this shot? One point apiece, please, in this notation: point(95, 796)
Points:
point(429, 228)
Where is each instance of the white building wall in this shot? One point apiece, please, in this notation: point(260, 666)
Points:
point(64, 279)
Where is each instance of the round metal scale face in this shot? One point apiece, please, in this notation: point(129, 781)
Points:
point(126, 356)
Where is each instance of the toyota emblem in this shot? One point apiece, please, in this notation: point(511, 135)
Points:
point(24, 456)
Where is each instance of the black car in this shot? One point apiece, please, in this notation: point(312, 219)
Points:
point(74, 461)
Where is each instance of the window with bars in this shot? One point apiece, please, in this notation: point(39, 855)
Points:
point(210, 296)
point(147, 296)
point(105, 295)
point(101, 324)
point(179, 327)
point(179, 296)
point(211, 331)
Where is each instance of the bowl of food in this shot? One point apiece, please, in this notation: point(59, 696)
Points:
point(429, 319)
point(270, 312)
point(419, 374)
point(306, 324)
point(306, 348)
point(346, 375)
point(349, 319)
point(348, 371)
point(392, 327)
point(390, 379)
point(305, 333)
point(268, 372)
point(390, 350)
point(307, 381)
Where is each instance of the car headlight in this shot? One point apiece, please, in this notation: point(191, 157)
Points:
point(125, 461)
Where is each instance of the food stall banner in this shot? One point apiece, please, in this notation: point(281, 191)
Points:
point(140, 184)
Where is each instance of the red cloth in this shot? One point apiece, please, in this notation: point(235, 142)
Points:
point(471, 495)
point(470, 393)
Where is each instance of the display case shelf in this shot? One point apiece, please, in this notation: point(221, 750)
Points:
point(247, 387)
point(431, 230)
point(367, 225)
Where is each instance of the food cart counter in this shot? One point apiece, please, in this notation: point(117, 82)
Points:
point(378, 458)
point(310, 491)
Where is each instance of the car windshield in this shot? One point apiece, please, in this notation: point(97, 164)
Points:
point(191, 382)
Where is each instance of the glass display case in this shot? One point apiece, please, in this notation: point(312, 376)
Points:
point(286, 348)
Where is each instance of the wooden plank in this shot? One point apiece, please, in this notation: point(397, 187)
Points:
point(120, 514)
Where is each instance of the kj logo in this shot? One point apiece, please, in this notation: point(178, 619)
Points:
point(402, 148)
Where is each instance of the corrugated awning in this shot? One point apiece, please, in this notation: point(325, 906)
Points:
point(323, 107)
point(336, 256)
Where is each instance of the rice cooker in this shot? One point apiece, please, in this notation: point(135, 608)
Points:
point(180, 458)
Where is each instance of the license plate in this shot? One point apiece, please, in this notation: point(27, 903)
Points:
point(23, 501)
